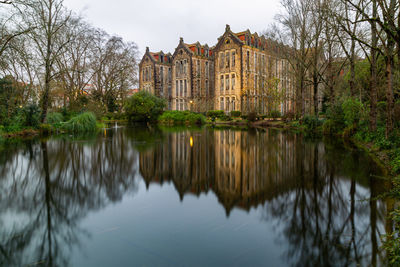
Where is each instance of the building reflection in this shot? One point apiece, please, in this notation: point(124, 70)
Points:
point(312, 190)
point(243, 168)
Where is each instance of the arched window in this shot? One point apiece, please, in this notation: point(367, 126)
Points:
point(222, 103)
point(233, 81)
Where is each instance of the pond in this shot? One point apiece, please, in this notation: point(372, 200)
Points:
point(137, 196)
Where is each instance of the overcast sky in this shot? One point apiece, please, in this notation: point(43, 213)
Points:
point(158, 24)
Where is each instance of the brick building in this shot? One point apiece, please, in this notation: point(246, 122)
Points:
point(243, 71)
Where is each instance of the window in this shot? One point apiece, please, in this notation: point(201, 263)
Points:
point(227, 104)
point(177, 88)
point(233, 58)
point(248, 60)
point(255, 61)
point(198, 68)
point(221, 60)
point(185, 65)
point(227, 56)
point(207, 87)
point(185, 92)
point(233, 82)
point(222, 104)
point(233, 103)
point(161, 75)
point(169, 74)
point(255, 81)
point(207, 71)
point(227, 82)
point(181, 89)
point(177, 68)
point(177, 104)
point(222, 83)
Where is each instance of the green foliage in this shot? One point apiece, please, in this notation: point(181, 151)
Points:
point(235, 113)
point(85, 122)
point(289, 116)
point(275, 114)
point(353, 111)
point(391, 242)
point(181, 117)
point(31, 116)
point(216, 114)
point(54, 118)
point(144, 107)
point(45, 128)
point(311, 123)
point(252, 116)
point(334, 123)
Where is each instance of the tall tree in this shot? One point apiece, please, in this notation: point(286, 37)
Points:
point(48, 19)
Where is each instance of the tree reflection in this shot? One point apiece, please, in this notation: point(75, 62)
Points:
point(319, 195)
point(48, 187)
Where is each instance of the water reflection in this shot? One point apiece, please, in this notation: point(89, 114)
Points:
point(318, 196)
point(47, 187)
point(316, 191)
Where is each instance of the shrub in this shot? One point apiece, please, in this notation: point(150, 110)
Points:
point(215, 113)
point(353, 111)
point(144, 107)
point(275, 114)
point(181, 117)
point(85, 122)
point(45, 128)
point(30, 116)
point(54, 118)
point(252, 116)
point(289, 116)
point(311, 123)
point(235, 113)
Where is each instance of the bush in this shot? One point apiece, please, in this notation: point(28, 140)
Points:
point(30, 116)
point(311, 123)
point(215, 113)
point(181, 117)
point(85, 122)
point(353, 111)
point(289, 116)
point(252, 116)
point(45, 128)
point(54, 118)
point(275, 114)
point(144, 107)
point(235, 113)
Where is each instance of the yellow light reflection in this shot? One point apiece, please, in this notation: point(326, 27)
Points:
point(191, 141)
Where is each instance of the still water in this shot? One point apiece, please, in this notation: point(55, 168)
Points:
point(189, 197)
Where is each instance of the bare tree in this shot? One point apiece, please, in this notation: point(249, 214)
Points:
point(48, 18)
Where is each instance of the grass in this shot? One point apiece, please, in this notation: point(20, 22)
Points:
point(83, 123)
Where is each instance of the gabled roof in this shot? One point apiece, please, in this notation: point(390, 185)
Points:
point(183, 46)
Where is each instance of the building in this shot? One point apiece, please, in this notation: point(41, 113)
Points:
point(243, 72)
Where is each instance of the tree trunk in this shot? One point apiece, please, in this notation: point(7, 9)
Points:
point(389, 88)
point(352, 69)
point(373, 81)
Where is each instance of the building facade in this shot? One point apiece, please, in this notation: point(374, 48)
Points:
point(242, 72)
